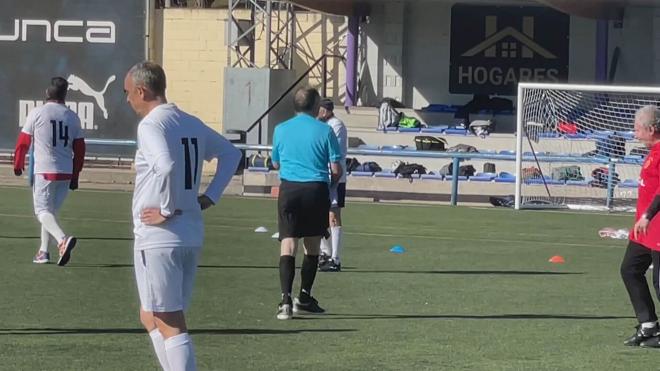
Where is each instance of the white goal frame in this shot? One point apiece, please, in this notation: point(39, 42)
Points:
point(566, 87)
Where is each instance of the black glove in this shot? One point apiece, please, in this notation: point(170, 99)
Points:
point(73, 184)
point(18, 172)
point(204, 202)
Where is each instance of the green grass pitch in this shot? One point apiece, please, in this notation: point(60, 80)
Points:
point(473, 291)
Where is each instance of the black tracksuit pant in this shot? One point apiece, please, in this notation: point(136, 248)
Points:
point(636, 262)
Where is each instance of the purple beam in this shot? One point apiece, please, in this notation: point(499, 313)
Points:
point(352, 60)
point(602, 41)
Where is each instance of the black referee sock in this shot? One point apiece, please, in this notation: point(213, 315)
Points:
point(287, 273)
point(307, 275)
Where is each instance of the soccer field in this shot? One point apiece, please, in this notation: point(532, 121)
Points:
point(473, 291)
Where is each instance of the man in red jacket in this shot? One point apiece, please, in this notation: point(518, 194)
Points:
point(59, 153)
point(644, 245)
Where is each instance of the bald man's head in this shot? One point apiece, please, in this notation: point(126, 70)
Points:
point(307, 101)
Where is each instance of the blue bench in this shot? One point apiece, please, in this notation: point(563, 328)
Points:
point(483, 177)
point(629, 183)
point(439, 129)
point(578, 183)
point(409, 130)
point(385, 174)
point(432, 176)
point(456, 131)
point(548, 180)
point(257, 169)
point(362, 173)
point(460, 178)
point(501, 179)
point(576, 136)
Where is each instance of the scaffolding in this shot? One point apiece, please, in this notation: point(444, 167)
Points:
point(272, 20)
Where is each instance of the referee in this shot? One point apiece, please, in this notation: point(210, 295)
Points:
point(302, 149)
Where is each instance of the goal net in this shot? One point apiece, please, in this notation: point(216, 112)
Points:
point(576, 146)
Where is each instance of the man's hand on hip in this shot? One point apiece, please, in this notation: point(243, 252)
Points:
point(152, 216)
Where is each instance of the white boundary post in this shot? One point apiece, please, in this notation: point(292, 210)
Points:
point(519, 140)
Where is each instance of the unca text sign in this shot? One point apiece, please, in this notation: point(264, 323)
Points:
point(91, 43)
point(495, 47)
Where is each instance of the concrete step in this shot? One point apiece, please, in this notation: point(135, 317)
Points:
point(367, 118)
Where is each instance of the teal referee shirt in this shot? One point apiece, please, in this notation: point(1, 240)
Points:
point(304, 146)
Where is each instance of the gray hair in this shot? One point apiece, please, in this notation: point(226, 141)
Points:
point(649, 116)
point(149, 75)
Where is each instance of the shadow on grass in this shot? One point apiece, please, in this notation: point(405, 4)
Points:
point(350, 270)
point(353, 270)
point(105, 238)
point(512, 316)
point(468, 272)
point(82, 265)
point(79, 238)
point(93, 331)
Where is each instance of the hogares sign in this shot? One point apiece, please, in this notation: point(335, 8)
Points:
point(495, 47)
point(91, 43)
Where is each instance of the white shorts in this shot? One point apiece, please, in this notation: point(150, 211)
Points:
point(48, 195)
point(165, 277)
point(338, 196)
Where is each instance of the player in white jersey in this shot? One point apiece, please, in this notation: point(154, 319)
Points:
point(59, 154)
point(331, 247)
point(167, 208)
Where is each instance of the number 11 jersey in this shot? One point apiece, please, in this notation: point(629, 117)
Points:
point(172, 146)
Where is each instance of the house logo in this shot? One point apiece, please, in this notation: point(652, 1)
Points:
point(511, 42)
point(495, 47)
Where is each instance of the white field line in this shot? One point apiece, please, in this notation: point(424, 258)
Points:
point(364, 234)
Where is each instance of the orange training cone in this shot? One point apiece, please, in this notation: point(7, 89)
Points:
point(557, 259)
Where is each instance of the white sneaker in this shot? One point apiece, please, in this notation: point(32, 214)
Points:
point(284, 312)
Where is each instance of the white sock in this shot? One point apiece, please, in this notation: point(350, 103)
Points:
point(49, 222)
point(326, 246)
point(180, 353)
point(648, 324)
point(159, 346)
point(336, 243)
point(45, 237)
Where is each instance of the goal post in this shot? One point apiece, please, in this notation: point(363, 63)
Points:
point(575, 145)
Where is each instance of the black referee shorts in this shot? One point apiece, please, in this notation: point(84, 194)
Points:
point(302, 209)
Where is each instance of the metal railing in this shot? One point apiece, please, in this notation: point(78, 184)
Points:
point(456, 158)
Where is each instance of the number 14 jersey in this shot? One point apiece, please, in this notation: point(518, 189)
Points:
point(54, 127)
point(172, 146)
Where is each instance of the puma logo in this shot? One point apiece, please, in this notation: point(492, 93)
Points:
point(78, 84)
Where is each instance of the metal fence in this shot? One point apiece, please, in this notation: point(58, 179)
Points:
point(455, 157)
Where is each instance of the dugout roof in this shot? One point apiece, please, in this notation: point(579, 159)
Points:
point(600, 9)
